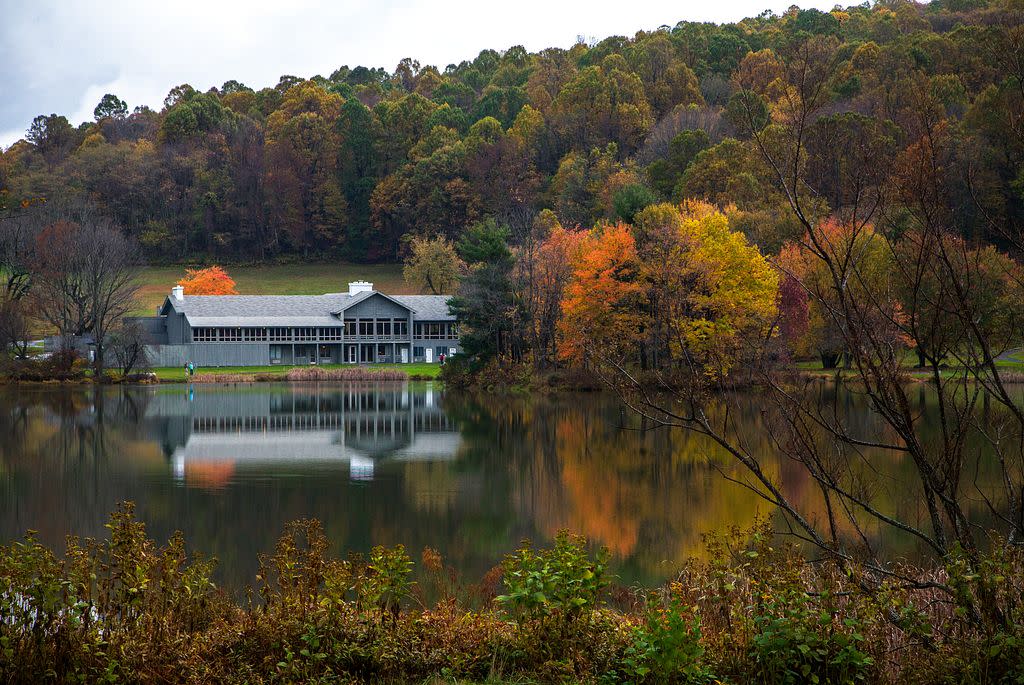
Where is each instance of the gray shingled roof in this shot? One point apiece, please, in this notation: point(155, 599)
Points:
point(426, 307)
point(294, 310)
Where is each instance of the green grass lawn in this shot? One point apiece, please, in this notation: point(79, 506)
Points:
point(177, 373)
point(1010, 362)
point(282, 279)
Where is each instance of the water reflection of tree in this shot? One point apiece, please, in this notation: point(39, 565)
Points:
point(648, 494)
point(56, 443)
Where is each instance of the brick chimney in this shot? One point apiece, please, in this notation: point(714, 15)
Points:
point(356, 287)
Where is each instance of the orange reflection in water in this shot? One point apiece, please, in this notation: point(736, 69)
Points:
point(209, 475)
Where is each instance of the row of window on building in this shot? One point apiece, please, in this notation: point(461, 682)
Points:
point(354, 329)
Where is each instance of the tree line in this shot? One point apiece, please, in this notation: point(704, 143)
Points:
point(354, 164)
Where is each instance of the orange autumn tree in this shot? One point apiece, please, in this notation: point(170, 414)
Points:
point(600, 308)
point(545, 268)
point(213, 280)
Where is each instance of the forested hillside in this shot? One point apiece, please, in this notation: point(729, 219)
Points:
point(344, 166)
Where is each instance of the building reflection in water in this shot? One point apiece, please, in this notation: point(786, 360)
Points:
point(217, 432)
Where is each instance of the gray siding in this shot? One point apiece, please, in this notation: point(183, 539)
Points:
point(376, 307)
point(434, 344)
point(210, 354)
point(177, 329)
point(154, 328)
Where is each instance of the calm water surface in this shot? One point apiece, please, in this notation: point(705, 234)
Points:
point(381, 464)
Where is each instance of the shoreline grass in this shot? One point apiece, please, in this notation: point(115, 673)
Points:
point(243, 374)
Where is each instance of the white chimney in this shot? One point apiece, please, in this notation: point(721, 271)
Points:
point(356, 287)
point(178, 293)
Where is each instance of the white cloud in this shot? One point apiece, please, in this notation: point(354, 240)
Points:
point(63, 55)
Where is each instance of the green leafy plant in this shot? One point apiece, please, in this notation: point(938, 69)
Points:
point(563, 579)
point(665, 647)
point(798, 642)
point(388, 579)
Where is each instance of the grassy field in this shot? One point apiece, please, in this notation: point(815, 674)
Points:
point(286, 279)
point(1010, 361)
point(177, 373)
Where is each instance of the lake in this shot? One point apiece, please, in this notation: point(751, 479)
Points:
point(389, 463)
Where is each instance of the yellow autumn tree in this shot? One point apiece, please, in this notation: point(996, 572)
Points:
point(708, 289)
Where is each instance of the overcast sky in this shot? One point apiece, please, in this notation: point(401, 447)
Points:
point(63, 55)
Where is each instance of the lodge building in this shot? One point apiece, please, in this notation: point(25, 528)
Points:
point(362, 326)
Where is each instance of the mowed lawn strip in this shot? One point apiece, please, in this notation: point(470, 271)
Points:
point(177, 373)
point(282, 279)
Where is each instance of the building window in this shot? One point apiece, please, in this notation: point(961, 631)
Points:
point(365, 328)
point(350, 327)
point(229, 334)
point(430, 330)
point(417, 352)
point(384, 328)
point(280, 334)
point(204, 334)
point(401, 328)
point(332, 333)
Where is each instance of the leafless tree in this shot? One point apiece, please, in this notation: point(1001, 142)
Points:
point(14, 327)
point(128, 347)
point(707, 119)
point(111, 269)
point(18, 244)
point(59, 295)
point(18, 250)
point(85, 278)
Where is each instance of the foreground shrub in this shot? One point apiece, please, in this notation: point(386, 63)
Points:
point(109, 608)
point(128, 610)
